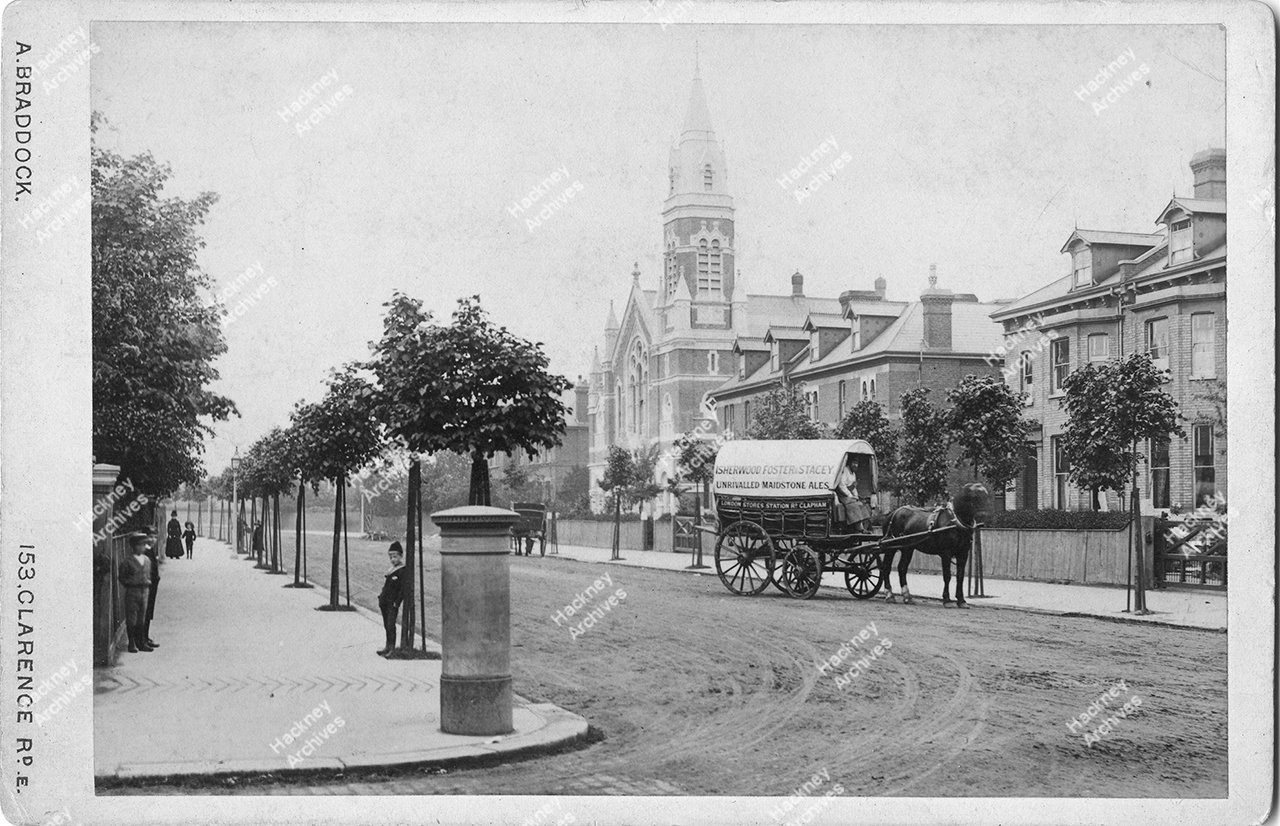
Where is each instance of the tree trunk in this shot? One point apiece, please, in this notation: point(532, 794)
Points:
point(408, 617)
point(346, 547)
point(297, 531)
point(1140, 588)
point(479, 479)
point(337, 541)
point(617, 523)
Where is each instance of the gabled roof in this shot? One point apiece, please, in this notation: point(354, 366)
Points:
point(880, 309)
point(1195, 206)
point(1102, 236)
point(778, 332)
point(754, 345)
point(824, 321)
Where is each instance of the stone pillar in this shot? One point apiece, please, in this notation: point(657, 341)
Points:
point(475, 609)
point(104, 564)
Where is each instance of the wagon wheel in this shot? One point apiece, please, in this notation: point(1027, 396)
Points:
point(801, 572)
point(863, 576)
point(744, 558)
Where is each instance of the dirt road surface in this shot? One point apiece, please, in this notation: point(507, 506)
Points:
point(699, 692)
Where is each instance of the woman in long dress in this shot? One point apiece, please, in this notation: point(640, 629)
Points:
point(173, 541)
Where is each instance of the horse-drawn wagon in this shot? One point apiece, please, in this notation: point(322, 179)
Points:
point(791, 511)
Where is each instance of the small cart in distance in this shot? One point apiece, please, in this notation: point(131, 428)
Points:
point(532, 524)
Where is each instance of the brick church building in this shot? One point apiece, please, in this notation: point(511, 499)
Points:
point(700, 336)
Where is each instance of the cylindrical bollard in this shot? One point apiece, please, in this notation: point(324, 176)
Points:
point(475, 609)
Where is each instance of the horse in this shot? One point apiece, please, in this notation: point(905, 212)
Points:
point(966, 511)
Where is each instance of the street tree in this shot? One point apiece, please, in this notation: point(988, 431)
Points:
point(341, 436)
point(866, 420)
point(619, 475)
point(1112, 407)
point(154, 335)
point(922, 469)
point(274, 469)
point(985, 420)
point(781, 413)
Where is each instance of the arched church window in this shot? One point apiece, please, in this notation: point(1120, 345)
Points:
point(672, 178)
point(638, 388)
point(714, 275)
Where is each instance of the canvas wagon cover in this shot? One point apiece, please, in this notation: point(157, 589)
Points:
point(783, 468)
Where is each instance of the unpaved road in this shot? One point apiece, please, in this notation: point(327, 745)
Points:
point(699, 692)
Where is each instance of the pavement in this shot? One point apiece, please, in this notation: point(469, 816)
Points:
point(1184, 607)
point(250, 679)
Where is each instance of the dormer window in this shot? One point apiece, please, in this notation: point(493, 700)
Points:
point(706, 177)
point(1180, 241)
point(775, 356)
point(1082, 268)
point(813, 345)
point(742, 366)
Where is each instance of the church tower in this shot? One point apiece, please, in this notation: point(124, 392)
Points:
point(698, 239)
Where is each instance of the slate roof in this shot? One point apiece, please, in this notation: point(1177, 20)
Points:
point(1101, 236)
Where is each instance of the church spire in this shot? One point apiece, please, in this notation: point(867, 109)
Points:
point(697, 118)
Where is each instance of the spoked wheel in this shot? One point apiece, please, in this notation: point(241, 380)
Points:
point(744, 558)
point(863, 576)
point(801, 572)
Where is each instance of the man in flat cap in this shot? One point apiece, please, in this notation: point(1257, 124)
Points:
point(135, 575)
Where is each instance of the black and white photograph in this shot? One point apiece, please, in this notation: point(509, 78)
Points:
point(651, 411)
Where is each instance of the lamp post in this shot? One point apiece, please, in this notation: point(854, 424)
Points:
point(235, 497)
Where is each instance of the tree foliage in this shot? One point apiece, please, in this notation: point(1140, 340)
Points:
point(338, 435)
point(985, 420)
point(780, 414)
point(866, 420)
point(470, 387)
point(154, 338)
point(271, 469)
point(695, 459)
point(922, 470)
point(1111, 407)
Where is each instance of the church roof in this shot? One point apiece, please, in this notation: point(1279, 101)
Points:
point(765, 311)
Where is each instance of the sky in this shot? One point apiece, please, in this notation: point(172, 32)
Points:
point(978, 148)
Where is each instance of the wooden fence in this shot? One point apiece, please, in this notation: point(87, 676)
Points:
point(1092, 557)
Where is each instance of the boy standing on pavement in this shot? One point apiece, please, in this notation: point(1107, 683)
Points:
point(392, 595)
point(135, 575)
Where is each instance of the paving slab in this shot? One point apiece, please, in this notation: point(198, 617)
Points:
point(1184, 607)
point(250, 678)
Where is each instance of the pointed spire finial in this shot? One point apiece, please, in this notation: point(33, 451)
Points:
point(697, 67)
point(635, 273)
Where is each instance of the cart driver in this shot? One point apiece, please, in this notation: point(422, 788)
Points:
point(854, 510)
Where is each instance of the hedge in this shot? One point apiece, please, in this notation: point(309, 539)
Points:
point(1050, 519)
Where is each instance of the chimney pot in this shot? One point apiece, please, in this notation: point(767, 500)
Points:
point(797, 285)
point(1209, 170)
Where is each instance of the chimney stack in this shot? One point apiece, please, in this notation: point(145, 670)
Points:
point(580, 401)
point(1209, 168)
point(797, 285)
point(881, 285)
point(936, 306)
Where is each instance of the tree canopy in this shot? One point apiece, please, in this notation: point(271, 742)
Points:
point(866, 420)
point(1110, 408)
point(470, 387)
point(922, 470)
point(338, 435)
point(985, 420)
point(781, 414)
point(154, 337)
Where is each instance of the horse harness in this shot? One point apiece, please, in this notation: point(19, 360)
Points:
point(947, 508)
